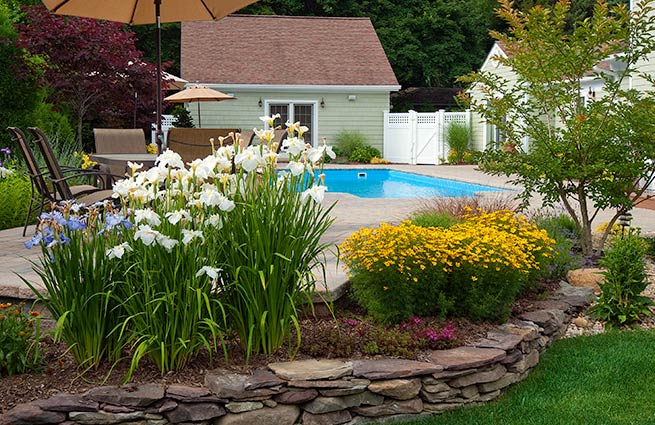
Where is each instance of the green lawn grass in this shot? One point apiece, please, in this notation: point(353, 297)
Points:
point(604, 379)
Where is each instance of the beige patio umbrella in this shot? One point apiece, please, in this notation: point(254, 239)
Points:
point(198, 94)
point(173, 82)
point(137, 12)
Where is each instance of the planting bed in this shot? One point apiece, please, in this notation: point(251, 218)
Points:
point(274, 390)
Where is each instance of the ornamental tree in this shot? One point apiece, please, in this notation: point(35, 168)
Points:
point(588, 155)
point(93, 67)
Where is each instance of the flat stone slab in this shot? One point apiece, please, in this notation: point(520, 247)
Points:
point(466, 357)
point(332, 418)
point(393, 368)
point(399, 389)
point(334, 384)
point(480, 377)
point(554, 304)
point(261, 378)
point(506, 341)
point(567, 290)
point(310, 370)
point(393, 407)
point(194, 412)
point(225, 384)
point(281, 415)
point(129, 395)
point(30, 413)
point(296, 397)
point(547, 319)
point(63, 402)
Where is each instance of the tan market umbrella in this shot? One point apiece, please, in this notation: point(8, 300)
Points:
point(137, 12)
point(198, 94)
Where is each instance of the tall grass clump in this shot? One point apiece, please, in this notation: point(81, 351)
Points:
point(472, 269)
point(188, 254)
point(346, 141)
point(464, 206)
point(458, 138)
point(433, 219)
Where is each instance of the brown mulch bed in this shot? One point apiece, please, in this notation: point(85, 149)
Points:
point(62, 374)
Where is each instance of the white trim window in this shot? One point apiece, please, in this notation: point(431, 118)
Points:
point(304, 111)
point(496, 137)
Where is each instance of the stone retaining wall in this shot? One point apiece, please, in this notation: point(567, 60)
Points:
point(328, 392)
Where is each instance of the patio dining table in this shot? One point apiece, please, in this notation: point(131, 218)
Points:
point(121, 160)
point(147, 159)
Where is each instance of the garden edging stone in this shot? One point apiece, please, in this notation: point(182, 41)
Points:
point(328, 392)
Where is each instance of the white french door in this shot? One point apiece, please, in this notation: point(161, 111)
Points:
point(303, 111)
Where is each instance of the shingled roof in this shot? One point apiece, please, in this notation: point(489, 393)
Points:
point(284, 50)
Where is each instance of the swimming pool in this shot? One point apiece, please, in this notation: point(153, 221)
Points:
point(385, 183)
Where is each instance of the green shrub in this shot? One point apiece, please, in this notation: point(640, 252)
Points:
point(458, 137)
point(620, 302)
point(19, 340)
point(346, 141)
point(650, 245)
point(364, 154)
point(562, 229)
point(55, 124)
point(15, 195)
point(182, 117)
point(433, 219)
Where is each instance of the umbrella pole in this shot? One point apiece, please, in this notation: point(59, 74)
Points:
point(158, 132)
point(199, 124)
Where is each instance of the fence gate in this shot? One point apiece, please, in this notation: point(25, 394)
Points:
point(419, 138)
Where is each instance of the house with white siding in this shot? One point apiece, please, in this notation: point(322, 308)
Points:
point(331, 74)
point(485, 134)
point(591, 87)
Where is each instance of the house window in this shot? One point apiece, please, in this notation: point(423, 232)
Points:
point(303, 111)
point(496, 137)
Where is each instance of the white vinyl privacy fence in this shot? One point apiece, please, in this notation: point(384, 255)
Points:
point(419, 137)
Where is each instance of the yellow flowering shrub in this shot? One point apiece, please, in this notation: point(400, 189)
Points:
point(473, 269)
point(85, 160)
point(151, 148)
point(376, 160)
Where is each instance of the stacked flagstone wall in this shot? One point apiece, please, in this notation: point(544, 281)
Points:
point(328, 392)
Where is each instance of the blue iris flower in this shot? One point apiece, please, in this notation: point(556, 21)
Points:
point(36, 239)
point(75, 224)
point(63, 239)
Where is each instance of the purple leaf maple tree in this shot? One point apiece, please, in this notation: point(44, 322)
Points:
point(93, 67)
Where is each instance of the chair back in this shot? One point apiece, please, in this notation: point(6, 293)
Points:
point(119, 140)
point(247, 137)
point(280, 135)
point(192, 143)
point(56, 172)
point(35, 174)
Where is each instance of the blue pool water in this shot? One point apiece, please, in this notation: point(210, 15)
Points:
point(384, 183)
